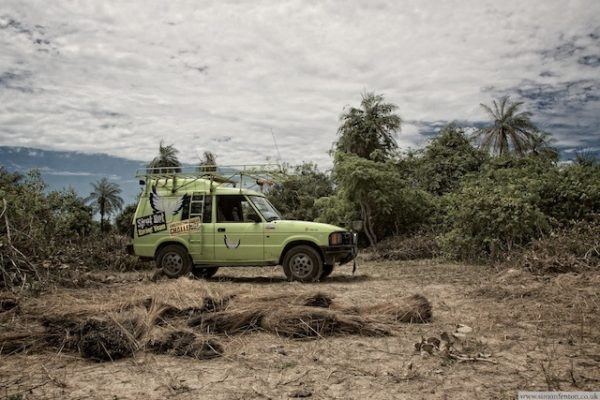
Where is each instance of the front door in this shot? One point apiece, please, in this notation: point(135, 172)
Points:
point(238, 232)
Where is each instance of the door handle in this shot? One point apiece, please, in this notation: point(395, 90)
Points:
point(220, 229)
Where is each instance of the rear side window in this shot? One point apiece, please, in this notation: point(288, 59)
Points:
point(197, 205)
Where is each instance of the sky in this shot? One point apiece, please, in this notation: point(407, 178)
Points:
point(228, 76)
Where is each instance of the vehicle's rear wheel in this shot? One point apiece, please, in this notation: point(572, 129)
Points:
point(327, 270)
point(204, 272)
point(302, 263)
point(174, 261)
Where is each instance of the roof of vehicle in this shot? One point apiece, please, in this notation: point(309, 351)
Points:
point(229, 179)
point(203, 185)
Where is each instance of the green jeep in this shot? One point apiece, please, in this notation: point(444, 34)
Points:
point(198, 222)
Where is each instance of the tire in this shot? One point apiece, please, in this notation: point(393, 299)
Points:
point(303, 264)
point(174, 261)
point(327, 270)
point(204, 272)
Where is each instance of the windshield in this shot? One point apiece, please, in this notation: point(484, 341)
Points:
point(267, 210)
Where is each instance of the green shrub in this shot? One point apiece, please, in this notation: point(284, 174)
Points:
point(495, 212)
point(295, 195)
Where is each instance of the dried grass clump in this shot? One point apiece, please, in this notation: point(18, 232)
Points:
point(229, 322)
point(305, 322)
point(415, 247)
point(312, 315)
point(186, 344)
point(410, 309)
point(94, 338)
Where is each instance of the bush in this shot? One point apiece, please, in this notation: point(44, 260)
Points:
point(494, 212)
point(572, 249)
point(47, 237)
point(295, 195)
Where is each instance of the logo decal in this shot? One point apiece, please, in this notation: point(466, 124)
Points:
point(151, 224)
point(185, 226)
point(231, 245)
point(168, 205)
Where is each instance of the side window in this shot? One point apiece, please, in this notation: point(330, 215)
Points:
point(207, 217)
point(235, 208)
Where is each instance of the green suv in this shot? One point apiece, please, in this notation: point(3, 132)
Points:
point(199, 223)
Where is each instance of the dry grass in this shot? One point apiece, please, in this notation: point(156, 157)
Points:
point(528, 332)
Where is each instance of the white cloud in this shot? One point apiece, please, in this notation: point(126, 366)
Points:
point(116, 78)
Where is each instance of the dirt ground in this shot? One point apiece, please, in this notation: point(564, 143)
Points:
point(528, 333)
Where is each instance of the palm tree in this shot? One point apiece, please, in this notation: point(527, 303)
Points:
point(369, 131)
point(208, 163)
point(166, 161)
point(512, 130)
point(540, 146)
point(105, 199)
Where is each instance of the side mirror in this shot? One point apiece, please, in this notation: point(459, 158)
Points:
point(356, 226)
point(142, 182)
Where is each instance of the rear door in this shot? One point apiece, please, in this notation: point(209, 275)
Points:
point(239, 231)
point(197, 225)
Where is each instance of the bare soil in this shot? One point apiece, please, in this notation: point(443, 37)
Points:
point(521, 332)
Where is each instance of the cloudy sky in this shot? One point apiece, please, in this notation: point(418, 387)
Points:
point(116, 77)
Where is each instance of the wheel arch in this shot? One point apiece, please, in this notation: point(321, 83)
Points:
point(167, 242)
point(300, 242)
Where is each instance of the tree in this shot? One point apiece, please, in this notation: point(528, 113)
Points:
point(369, 131)
point(446, 159)
point(295, 195)
point(512, 131)
point(208, 163)
point(105, 199)
point(166, 161)
point(387, 205)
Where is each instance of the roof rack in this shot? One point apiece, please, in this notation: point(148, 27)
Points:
point(242, 174)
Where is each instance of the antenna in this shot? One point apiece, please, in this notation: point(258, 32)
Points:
point(276, 147)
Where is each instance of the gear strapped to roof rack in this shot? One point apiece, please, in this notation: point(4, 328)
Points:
point(260, 175)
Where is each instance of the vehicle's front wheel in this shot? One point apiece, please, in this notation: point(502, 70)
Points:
point(204, 272)
point(174, 261)
point(327, 270)
point(302, 263)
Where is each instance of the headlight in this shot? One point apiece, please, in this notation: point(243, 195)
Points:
point(335, 239)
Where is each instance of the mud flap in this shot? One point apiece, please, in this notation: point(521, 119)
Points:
point(354, 266)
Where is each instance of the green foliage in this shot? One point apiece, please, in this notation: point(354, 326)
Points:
point(572, 193)
point(336, 210)
point(446, 159)
point(387, 204)
point(124, 220)
point(295, 195)
point(369, 131)
point(493, 214)
point(49, 237)
point(71, 215)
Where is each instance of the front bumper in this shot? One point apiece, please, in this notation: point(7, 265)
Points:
point(339, 254)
